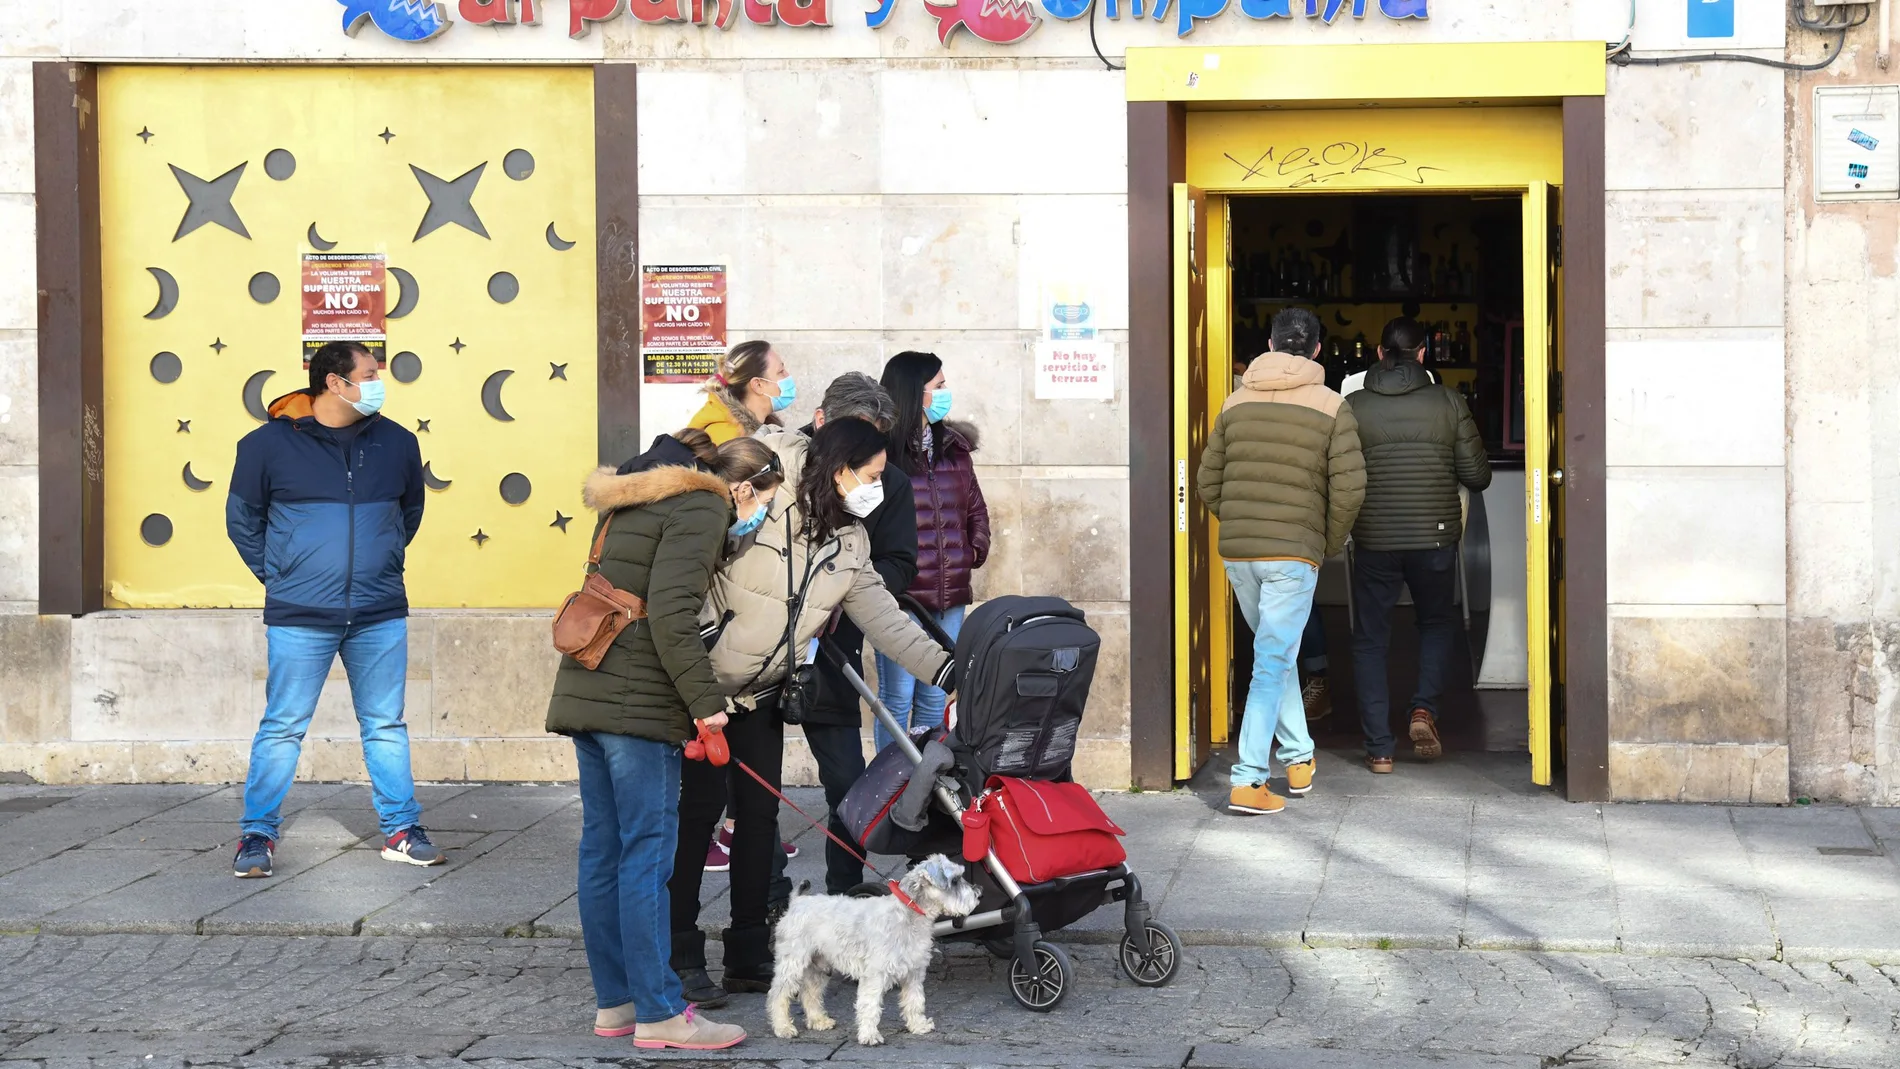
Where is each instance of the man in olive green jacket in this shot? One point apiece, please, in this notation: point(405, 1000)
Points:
point(1283, 474)
point(1421, 445)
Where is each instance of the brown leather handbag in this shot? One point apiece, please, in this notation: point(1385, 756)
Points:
point(593, 616)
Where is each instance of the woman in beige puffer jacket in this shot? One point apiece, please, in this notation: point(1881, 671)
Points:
point(810, 559)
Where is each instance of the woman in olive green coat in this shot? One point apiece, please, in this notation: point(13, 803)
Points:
point(667, 515)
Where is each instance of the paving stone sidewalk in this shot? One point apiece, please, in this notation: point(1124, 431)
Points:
point(165, 1002)
point(1459, 855)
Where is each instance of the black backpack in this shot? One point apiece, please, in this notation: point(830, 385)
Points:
point(1024, 666)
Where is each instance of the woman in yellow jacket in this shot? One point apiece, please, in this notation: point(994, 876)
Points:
point(750, 385)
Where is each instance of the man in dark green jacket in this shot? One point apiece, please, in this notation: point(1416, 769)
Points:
point(1282, 473)
point(1420, 445)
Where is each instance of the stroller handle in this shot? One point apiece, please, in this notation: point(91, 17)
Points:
point(899, 737)
point(927, 620)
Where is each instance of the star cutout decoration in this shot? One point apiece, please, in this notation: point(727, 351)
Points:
point(561, 521)
point(386, 135)
point(184, 426)
point(210, 201)
point(557, 371)
point(145, 135)
point(219, 347)
point(450, 202)
point(479, 538)
point(422, 426)
point(457, 346)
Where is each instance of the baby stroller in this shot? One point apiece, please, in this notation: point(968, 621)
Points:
point(996, 788)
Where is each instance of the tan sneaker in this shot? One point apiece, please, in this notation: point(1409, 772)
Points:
point(1299, 778)
point(688, 1031)
point(1425, 740)
point(1256, 800)
point(1380, 766)
point(1317, 698)
point(615, 1022)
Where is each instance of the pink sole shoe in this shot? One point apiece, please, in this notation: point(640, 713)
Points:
point(615, 1033)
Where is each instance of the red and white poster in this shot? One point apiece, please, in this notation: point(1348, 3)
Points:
point(345, 298)
point(682, 322)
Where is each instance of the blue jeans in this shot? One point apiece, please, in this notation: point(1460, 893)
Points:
point(376, 658)
point(1313, 645)
point(630, 793)
point(915, 703)
point(1276, 597)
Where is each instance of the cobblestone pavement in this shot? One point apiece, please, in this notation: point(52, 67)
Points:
point(162, 1002)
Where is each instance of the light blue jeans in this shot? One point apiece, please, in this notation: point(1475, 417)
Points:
point(376, 658)
point(915, 703)
point(1276, 597)
point(630, 795)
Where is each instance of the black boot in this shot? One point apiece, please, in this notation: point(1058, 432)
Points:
point(748, 960)
point(689, 964)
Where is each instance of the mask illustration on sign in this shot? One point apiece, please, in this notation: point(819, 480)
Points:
point(405, 20)
point(1000, 22)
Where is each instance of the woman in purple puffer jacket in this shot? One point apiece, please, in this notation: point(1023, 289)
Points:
point(953, 523)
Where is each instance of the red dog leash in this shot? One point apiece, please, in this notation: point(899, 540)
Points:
point(711, 745)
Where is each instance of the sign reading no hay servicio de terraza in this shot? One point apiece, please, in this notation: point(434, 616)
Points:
point(996, 21)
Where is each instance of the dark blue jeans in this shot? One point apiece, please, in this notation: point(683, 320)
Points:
point(1313, 645)
point(630, 791)
point(1377, 577)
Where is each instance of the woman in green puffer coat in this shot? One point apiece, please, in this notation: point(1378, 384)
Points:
point(667, 515)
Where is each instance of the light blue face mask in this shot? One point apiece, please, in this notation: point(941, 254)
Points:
point(787, 393)
point(744, 527)
point(371, 401)
point(939, 404)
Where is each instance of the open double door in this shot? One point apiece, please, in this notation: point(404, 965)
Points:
point(1202, 301)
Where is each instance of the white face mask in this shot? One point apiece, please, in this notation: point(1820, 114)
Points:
point(865, 499)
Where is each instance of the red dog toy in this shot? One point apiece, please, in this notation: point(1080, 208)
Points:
point(710, 746)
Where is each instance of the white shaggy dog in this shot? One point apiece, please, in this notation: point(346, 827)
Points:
point(881, 943)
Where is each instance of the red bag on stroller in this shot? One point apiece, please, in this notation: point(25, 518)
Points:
point(1042, 830)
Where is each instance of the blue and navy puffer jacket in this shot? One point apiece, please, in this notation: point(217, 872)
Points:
point(323, 517)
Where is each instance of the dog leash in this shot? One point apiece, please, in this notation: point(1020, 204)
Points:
point(711, 746)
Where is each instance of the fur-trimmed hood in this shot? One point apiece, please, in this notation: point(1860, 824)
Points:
point(951, 430)
point(607, 489)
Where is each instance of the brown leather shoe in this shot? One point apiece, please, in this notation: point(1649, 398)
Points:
point(1425, 740)
point(1380, 766)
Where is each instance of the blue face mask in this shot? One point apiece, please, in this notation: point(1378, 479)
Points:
point(939, 405)
point(371, 401)
point(787, 393)
point(746, 526)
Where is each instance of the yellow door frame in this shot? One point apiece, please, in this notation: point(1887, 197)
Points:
point(1409, 135)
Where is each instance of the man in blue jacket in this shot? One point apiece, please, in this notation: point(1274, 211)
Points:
point(325, 498)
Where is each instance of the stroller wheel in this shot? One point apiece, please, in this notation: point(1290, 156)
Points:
point(868, 890)
point(1043, 985)
point(1155, 968)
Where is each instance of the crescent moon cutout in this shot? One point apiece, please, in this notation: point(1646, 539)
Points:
point(317, 242)
point(491, 395)
point(429, 479)
point(254, 396)
point(167, 293)
point(192, 482)
point(556, 242)
point(406, 303)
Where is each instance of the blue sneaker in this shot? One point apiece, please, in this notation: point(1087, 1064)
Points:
point(411, 846)
point(253, 857)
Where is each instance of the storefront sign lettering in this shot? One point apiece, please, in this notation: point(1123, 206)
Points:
point(1309, 165)
point(994, 21)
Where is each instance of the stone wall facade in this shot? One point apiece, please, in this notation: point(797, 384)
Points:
point(873, 191)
